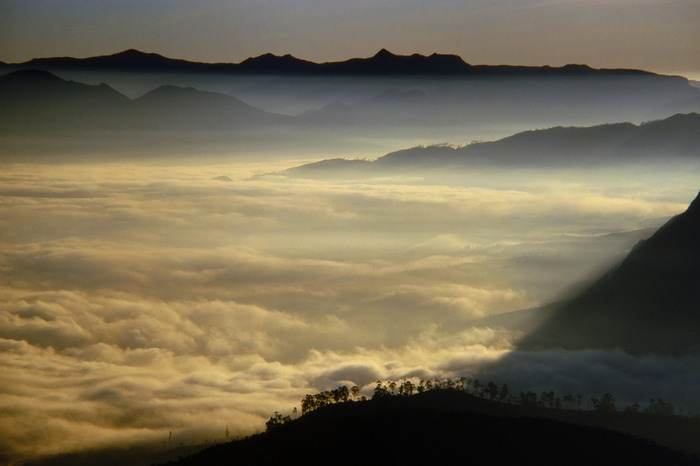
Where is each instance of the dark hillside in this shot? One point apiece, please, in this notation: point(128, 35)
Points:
point(431, 428)
point(646, 305)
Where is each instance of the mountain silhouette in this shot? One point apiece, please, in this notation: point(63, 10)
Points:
point(382, 63)
point(188, 108)
point(38, 101)
point(435, 428)
point(129, 60)
point(676, 136)
point(419, 97)
point(387, 63)
point(273, 64)
point(540, 99)
point(396, 103)
point(648, 304)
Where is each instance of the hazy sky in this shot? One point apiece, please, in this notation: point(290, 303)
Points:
point(657, 35)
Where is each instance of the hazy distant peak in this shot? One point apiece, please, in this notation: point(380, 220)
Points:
point(169, 93)
point(171, 88)
point(336, 105)
point(31, 75)
point(394, 95)
point(32, 83)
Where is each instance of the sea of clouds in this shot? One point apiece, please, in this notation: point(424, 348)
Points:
point(142, 299)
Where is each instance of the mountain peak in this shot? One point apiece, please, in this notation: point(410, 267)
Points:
point(137, 55)
point(384, 53)
point(132, 52)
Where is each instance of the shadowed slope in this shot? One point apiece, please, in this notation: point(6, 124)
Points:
point(35, 99)
point(431, 428)
point(649, 304)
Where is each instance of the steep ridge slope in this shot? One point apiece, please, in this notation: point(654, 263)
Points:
point(649, 304)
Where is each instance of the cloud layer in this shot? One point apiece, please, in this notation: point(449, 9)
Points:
point(140, 300)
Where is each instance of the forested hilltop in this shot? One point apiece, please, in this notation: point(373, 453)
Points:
point(483, 423)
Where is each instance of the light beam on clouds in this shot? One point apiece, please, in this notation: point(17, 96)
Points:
point(140, 300)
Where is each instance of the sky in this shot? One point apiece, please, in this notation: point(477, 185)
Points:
point(656, 35)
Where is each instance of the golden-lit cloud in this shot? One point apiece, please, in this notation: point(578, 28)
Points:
point(138, 301)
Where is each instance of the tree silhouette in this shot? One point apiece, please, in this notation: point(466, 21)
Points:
point(659, 406)
point(276, 420)
point(504, 394)
point(606, 404)
point(492, 390)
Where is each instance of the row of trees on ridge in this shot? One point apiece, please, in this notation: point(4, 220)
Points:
point(490, 391)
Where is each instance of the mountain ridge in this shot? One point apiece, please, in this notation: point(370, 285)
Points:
point(677, 135)
point(382, 63)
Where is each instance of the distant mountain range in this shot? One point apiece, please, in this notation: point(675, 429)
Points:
point(38, 101)
point(678, 135)
point(648, 304)
point(383, 63)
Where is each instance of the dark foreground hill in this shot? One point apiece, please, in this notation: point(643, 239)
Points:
point(648, 304)
point(432, 428)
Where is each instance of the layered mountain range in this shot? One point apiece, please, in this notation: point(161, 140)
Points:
point(39, 101)
point(430, 94)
